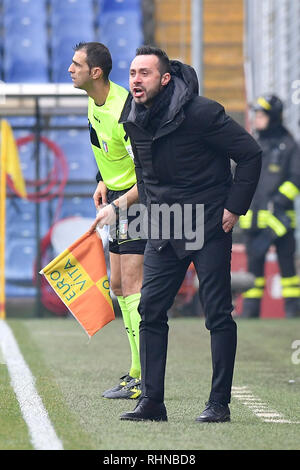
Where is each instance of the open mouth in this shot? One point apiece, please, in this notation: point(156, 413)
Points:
point(138, 92)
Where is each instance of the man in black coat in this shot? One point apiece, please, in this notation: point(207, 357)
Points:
point(183, 144)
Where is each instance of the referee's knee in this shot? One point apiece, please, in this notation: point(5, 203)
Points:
point(116, 287)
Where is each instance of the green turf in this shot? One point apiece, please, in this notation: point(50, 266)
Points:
point(71, 373)
point(13, 431)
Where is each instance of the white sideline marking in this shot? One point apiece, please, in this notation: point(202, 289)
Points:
point(258, 407)
point(42, 433)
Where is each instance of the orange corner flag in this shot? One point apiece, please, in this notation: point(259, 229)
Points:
point(79, 277)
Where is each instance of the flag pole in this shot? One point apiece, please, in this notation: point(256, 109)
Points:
point(2, 224)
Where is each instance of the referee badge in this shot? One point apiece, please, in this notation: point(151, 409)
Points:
point(105, 146)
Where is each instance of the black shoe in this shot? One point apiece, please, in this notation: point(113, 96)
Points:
point(214, 413)
point(123, 381)
point(146, 410)
point(130, 391)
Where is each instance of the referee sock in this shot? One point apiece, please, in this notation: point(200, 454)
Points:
point(135, 360)
point(132, 303)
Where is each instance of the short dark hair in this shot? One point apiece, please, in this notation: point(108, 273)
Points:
point(97, 55)
point(164, 61)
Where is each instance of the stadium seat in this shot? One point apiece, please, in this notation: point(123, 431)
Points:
point(122, 43)
point(21, 216)
point(126, 23)
point(73, 27)
point(25, 24)
point(27, 158)
point(62, 50)
point(29, 61)
point(120, 71)
point(121, 33)
point(120, 5)
point(70, 120)
point(77, 148)
point(71, 7)
point(19, 259)
point(26, 72)
point(17, 290)
point(17, 8)
point(59, 71)
point(78, 206)
point(21, 121)
point(71, 21)
point(26, 28)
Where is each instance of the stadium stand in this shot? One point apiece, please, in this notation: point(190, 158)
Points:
point(67, 18)
point(36, 46)
point(116, 31)
point(21, 220)
point(78, 206)
point(120, 5)
point(45, 32)
point(20, 255)
point(25, 41)
point(75, 143)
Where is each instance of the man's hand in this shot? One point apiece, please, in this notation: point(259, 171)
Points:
point(105, 216)
point(99, 196)
point(229, 220)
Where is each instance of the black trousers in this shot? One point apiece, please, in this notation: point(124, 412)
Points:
point(285, 249)
point(163, 275)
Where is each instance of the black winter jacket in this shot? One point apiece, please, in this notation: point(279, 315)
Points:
point(280, 163)
point(187, 160)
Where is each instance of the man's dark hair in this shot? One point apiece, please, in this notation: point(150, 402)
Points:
point(164, 61)
point(97, 55)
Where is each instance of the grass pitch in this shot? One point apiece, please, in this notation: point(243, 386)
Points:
point(71, 372)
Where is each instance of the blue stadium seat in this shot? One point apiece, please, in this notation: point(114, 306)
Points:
point(16, 290)
point(70, 120)
point(27, 158)
point(122, 47)
point(72, 26)
point(25, 26)
point(72, 19)
point(24, 23)
point(121, 33)
point(78, 206)
point(75, 7)
point(86, 188)
point(21, 217)
point(124, 23)
point(120, 5)
point(59, 70)
point(77, 148)
point(18, 8)
point(120, 72)
point(63, 41)
point(19, 259)
point(21, 121)
point(26, 72)
point(28, 62)
point(62, 50)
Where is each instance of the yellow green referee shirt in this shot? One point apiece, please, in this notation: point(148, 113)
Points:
point(111, 148)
